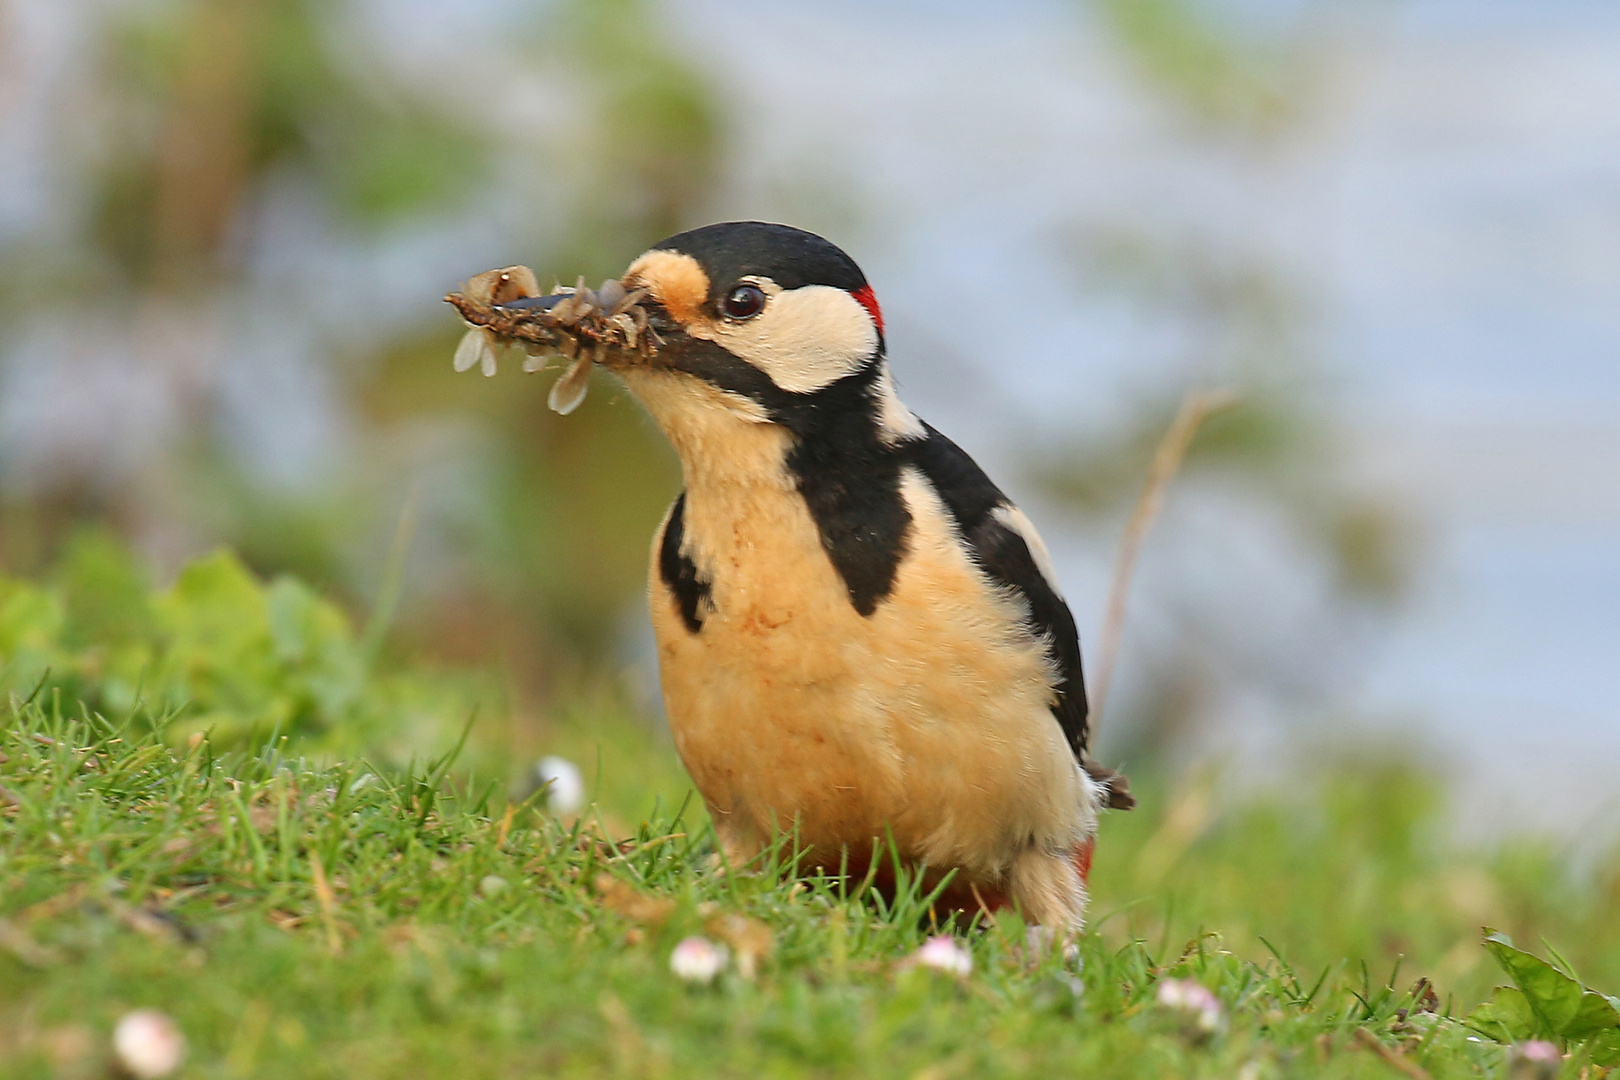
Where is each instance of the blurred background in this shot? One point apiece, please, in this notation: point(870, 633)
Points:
point(1391, 226)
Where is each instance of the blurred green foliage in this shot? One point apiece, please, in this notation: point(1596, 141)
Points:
point(1208, 70)
point(209, 97)
point(220, 651)
point(557, 551)
point(196, 115)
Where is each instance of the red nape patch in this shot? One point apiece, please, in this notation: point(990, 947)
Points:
point(1082, 858)
point(868, 300)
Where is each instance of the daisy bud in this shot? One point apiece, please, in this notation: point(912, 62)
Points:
point(1534, 1060)
point(943, 953)
point(698, 960)
point(565, 786)
point(1194, 1000)
point(148, 1044)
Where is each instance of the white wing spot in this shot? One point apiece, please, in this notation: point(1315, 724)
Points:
point(1016, 520)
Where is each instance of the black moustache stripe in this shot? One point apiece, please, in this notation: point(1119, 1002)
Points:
point(840, 407)
point(849, 477)
point(714, 365)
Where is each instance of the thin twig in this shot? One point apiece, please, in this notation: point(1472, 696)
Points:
point(1196, 407)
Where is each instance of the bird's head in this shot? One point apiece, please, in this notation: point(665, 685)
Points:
point(763, 323)
point(742, 322)
point(786, 303)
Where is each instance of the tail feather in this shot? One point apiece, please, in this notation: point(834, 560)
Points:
point(1116, 784)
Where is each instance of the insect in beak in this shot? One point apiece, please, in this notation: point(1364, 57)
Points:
point(582, 325)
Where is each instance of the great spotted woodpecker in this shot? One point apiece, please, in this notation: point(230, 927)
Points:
point(860, 638)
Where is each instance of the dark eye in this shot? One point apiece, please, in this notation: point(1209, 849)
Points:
point(743, 302)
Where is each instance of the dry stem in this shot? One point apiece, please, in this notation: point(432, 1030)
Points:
point(1196, 407)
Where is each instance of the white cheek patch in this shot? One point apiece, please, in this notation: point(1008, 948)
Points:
point(805, 339)
point(1016, 520)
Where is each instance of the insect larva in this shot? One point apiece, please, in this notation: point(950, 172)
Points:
point(584, 326)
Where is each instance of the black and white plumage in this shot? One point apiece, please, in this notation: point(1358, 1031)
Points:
point(859, 635)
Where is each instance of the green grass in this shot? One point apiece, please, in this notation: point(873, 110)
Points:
point(356, 916)
point(462, 935)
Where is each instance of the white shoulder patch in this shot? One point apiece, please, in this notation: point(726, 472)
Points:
point(896, 423)
point(1016, 520)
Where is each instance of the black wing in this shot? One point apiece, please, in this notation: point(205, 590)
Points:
point(1003, 552)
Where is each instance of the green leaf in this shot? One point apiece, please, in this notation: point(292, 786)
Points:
point(1548, 1003)
point(1605, 1048)
point(1553, 997)
point(1507, 1017)
point(105, 589)
point(1597, 1014)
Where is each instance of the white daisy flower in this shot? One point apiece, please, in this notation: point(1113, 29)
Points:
point(1195, 1000)
point(943, 953)
point(564, 783)
point(698, 960)
point(148, 1044)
